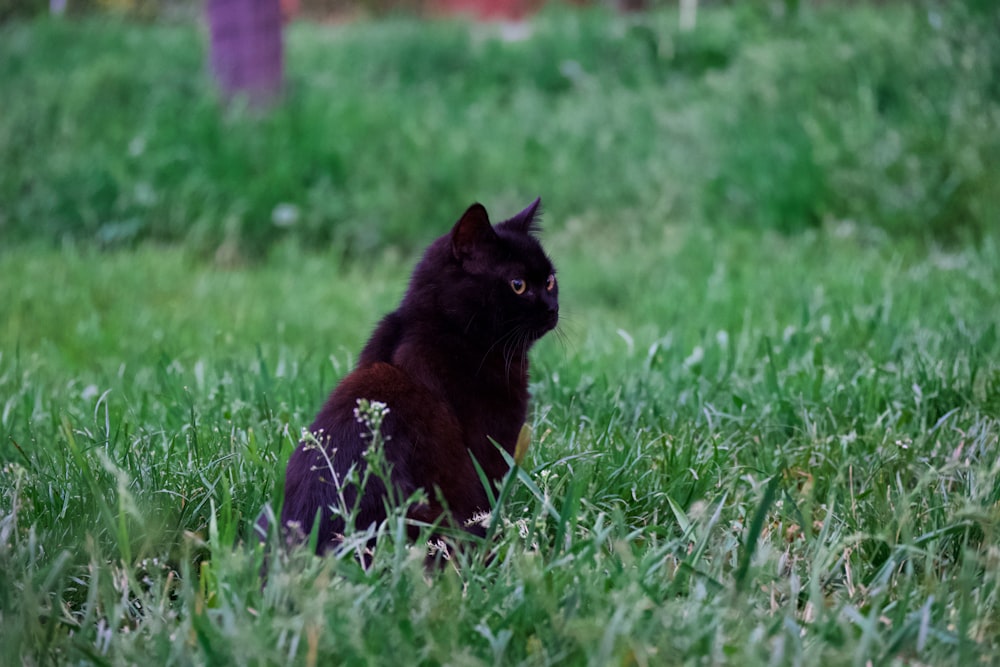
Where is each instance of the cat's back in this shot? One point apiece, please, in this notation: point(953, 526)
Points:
point(424, 438)
point(384, 340)
point(383, 382)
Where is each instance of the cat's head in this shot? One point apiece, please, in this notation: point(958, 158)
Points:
point(495, 280)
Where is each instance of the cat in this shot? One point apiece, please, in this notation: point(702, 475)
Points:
point(450, 365)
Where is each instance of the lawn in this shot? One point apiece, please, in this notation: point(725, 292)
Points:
point(766, 433)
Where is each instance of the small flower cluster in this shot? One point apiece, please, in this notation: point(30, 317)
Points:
point(371, 414)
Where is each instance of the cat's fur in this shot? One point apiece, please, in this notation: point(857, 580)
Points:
point(451, 364)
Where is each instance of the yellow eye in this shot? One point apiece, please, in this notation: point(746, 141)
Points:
point(518, 286)
point(550, 284)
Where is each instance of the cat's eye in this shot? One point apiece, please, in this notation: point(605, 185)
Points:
point(518, 286)
point(550, 284)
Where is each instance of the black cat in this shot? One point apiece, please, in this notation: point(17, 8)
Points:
point(451, 366)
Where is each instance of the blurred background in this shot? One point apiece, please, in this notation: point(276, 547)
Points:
point(238, 126)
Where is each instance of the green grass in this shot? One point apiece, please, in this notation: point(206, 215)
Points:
point(767, 437)
point(887, 117)
point(788, 449)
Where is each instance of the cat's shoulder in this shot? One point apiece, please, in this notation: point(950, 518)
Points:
point(384, 340)
point(404, 395)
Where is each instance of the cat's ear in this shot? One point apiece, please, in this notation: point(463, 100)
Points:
point(471, 232)
point(525, 222)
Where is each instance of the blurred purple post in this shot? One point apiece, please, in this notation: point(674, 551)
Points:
point(247, 50)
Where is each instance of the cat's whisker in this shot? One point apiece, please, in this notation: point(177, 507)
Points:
point(525, 344)
point(508, 348)
point(563, 339)
point(567, 321)
point(468, 325)
point(516, 348)
point(499, 340)
point(527, 338)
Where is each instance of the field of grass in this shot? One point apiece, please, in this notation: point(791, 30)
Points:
point(887, 117)
point(768, 433)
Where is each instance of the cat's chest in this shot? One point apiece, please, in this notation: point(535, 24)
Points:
point(491, 417)
point(488, 397)
point(462, 375)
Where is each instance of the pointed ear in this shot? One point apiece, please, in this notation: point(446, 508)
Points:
point(525, 222)
point(471, 231)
